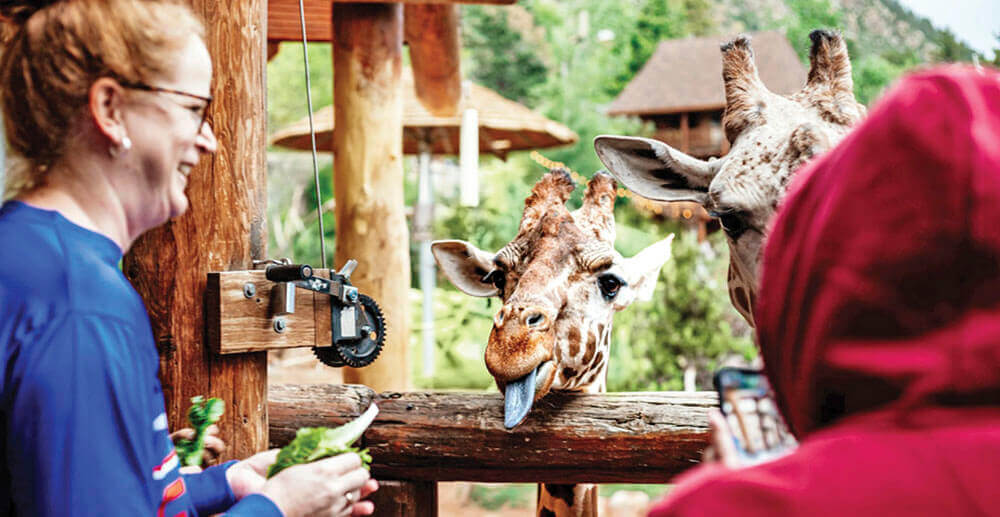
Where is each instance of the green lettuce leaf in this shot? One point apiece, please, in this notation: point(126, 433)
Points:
point(202, 414)
point(314, 443)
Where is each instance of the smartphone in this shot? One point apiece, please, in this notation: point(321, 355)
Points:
point(747, 403)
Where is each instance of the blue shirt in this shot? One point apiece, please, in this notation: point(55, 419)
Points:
point(83, 430)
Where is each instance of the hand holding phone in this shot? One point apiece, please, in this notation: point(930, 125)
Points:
point(751, 415)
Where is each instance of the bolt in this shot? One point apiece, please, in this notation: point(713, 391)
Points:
point(280, 325)
point(249, 290)
point(352, 296)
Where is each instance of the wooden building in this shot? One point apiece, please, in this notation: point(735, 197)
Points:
point(680, 89)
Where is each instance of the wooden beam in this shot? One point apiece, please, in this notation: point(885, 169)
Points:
point(405, 499)
point(567, 437)
point(431, 32)
point(224, 229)
point(368, 182)
point(242, 313)
point(285, 24)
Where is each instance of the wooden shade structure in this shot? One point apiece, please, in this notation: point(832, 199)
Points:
point(504, 125)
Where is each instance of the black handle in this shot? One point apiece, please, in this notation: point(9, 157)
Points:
point(288, 273)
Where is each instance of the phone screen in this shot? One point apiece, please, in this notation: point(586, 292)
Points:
point(747, 403)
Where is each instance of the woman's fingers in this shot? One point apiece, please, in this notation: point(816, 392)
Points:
point(722, 440)
point(370, 486)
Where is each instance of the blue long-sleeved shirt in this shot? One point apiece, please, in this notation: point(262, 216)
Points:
point(82, 424)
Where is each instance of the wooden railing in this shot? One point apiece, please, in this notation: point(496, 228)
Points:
point(427, 437)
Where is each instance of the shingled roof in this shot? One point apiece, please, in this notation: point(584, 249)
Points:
point(686, 75)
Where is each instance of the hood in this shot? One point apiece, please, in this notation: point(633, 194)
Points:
point(880, 286)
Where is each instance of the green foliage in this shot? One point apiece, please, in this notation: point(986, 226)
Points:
point(950, 50)
point(873, 73)
point(499, 56)
point(808, 15)
point(202, 414)
point(461, 327)
point(314, 443)
point(286, 82)
point(510, 495)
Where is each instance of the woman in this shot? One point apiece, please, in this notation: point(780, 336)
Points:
point(104, 105)
point(879, 319)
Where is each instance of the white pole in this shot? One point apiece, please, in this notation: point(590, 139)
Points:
point(468, 158)
point(423, 223)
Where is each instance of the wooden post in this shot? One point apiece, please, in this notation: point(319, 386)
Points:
point(432, 34)
point(368, 174)
point(224, 229)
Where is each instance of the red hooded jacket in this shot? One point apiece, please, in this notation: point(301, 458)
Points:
point(879, 319)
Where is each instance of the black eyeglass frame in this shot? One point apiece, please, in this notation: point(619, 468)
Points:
point(157, 89)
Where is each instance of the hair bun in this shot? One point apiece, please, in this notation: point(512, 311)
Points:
point(17, 12)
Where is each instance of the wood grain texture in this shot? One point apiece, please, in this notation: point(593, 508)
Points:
point(567, 437)
point(405, 499)
point(237, 324)
point(431, 32)
point(224, 229)
point(368, 182)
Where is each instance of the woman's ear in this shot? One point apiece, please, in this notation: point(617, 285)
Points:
point(107, 98)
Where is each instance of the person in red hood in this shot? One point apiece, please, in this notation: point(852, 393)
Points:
point(879, 319)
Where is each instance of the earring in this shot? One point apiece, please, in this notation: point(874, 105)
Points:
point(115, 149)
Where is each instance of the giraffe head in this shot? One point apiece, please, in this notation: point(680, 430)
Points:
point(560, 281)
point(771, 136)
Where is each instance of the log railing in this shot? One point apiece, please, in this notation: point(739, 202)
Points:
point(459, 436)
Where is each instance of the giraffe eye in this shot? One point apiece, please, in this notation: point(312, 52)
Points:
point(733, 222)
point(610, 284)
point(497, 278)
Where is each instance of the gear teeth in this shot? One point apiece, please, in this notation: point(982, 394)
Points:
point(354, 361)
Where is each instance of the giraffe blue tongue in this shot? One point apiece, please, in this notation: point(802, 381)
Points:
point(517, 399)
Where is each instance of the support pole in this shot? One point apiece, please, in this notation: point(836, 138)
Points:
point(368, 174)
point(224, 229)
point(423, 224)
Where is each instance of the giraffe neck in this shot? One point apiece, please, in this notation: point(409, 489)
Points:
point(580, 500)
point(567, 501)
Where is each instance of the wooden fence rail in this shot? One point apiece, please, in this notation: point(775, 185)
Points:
point(459, 436)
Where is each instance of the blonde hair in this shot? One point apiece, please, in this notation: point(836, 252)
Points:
point(54, 51)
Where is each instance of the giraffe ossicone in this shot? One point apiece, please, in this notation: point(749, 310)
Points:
point(560, 280)
point(771, 136)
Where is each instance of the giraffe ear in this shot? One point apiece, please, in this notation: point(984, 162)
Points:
point(642, 270)
point(466, 266)
point(655, 170)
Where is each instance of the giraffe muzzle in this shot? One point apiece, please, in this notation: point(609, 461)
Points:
point(520, 395)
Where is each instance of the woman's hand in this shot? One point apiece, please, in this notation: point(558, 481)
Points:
point(723, 448)
point(214, 446)
point(248, 476)
point(328, 487)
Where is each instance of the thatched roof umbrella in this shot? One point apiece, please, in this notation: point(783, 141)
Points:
point(504, 126)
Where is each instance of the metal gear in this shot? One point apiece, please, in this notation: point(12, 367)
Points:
point(360, 352)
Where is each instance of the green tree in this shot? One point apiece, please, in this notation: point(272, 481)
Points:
point(950, 50)
point(498, 55)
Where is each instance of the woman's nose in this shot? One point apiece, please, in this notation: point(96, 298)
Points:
point(206, 141)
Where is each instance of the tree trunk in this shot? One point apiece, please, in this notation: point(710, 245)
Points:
point(224, 229)
point(368, 174)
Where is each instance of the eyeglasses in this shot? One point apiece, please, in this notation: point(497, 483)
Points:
point(200, 112)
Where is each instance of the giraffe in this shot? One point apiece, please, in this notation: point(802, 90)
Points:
point(771, 136)
point(560, 281)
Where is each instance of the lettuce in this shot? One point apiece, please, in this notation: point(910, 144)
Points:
point(314, 443)
point(202, 414)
